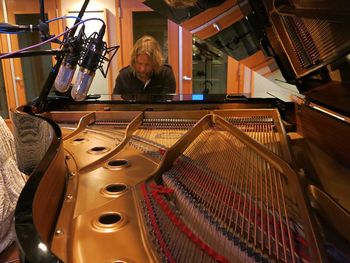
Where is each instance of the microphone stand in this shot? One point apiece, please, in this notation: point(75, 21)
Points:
point(42, 11)
point(38, 53)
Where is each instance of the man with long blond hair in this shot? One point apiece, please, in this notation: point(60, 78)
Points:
point(146, 73)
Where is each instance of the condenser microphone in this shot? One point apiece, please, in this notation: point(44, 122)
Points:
point(89, 63)
point(67, 69)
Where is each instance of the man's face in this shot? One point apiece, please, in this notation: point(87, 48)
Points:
point(143, 66)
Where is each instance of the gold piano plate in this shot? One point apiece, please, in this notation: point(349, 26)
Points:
point(225, 176)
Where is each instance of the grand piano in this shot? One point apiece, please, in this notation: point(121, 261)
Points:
point(225, 177)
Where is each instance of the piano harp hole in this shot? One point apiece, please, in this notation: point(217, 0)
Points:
point(79, 140)
point(114, 190)
point(109, 221)
point(98, 150)
point(117, 164)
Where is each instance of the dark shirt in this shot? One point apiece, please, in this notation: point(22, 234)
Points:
point(162, 82)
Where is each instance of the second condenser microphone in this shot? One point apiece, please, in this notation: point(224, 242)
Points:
point(67, 69)
point(90, 62)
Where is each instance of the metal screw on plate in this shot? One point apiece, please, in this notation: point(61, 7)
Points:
point(58, 232)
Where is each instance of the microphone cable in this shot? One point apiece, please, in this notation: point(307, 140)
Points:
point(50, 39)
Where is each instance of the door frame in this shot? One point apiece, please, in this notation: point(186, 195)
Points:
point(52, 7)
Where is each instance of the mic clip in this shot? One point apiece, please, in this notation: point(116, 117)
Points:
point(45, 34)
point(105, 54)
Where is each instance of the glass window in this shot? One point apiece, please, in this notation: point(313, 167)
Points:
point(238, 40)
point(209, 68)
point(152, 24)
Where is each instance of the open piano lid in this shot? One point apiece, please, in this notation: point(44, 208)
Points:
point(312, 43)
point(307, 40)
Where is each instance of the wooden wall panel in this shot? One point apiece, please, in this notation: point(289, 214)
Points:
point(208, 15)
point(173, 52)
point(6, 67)
point(236, 79)
point(223, 23)
point(186, 61)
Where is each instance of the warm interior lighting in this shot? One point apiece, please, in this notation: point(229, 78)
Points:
point(329, 113)
point(42, 246)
